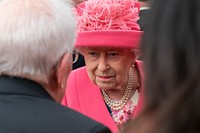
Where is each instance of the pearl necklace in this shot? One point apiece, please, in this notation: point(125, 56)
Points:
point(118, 104)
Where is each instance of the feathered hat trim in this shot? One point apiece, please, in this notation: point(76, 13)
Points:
point(111, 23)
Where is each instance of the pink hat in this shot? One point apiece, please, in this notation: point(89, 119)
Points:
point(108, 23)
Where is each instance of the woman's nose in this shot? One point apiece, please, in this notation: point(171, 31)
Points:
point(103, 65)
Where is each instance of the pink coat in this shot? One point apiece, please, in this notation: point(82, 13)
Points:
point(85, 97)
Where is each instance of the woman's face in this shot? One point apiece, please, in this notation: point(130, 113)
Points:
point(108, 67)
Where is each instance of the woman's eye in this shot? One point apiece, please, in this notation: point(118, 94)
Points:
point(113, 55)
point(93, 53)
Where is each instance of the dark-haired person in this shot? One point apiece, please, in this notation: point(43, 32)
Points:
point(171, 51)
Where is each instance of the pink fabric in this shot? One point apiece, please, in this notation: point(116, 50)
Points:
point(112, 38)
point(85, 97)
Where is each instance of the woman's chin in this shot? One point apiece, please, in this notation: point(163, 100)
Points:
point(105, 86)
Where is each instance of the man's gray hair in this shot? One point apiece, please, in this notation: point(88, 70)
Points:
point(34, 34)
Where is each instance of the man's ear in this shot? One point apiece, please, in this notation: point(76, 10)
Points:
point(58, 78)
point(63, 70)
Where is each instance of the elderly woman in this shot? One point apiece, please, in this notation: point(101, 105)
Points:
point(108, 88)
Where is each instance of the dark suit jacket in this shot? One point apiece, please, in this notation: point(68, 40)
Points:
point(25, 107)
point(143, 18)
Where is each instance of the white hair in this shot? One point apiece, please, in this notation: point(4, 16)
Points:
point(34, 34)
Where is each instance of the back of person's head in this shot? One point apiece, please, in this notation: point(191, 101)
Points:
point(171, 51)
point(34, 35)
point(171, 48)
